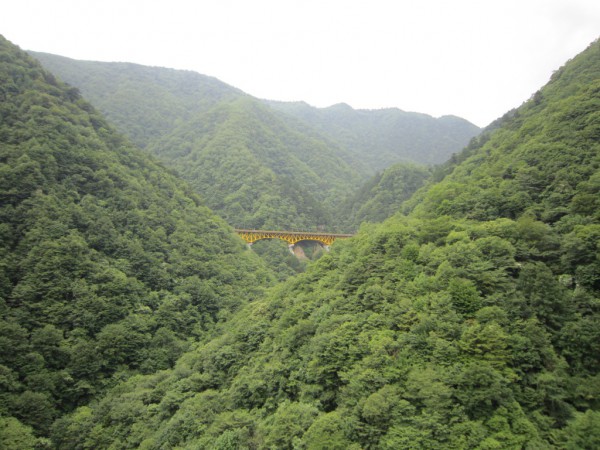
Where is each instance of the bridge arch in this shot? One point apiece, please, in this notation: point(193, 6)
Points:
point(291, 237)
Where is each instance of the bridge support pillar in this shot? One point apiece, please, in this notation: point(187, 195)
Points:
point(291, 247)
point(326, 247)
point(249, 244)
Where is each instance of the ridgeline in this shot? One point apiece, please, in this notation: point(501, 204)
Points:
point(134, 318)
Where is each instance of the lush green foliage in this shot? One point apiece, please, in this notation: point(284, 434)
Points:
point(383, 195)
point(377, 139)
point(281, 165)
point(144, 103)
point(473, 322)
point(109, 265)
point(254, 170)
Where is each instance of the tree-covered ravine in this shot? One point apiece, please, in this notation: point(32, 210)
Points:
point(259, 164)
point(268, 165)
point(464, 313)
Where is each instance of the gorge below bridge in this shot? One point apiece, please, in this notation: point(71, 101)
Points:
point(291, 237)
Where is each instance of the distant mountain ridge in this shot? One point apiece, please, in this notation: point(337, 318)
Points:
point(254, 167)
point(147, 102)
point(259, 163)
point(382, 137)
point(143, 102)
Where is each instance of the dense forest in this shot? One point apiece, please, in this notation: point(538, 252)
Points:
point(382, 137)
point(110, 265)
point(259, 164)
point(132, 317)
point(383, 195)
point(255, 171)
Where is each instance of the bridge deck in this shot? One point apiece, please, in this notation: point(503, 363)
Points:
point(291, 237)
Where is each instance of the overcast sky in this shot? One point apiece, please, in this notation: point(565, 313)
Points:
point(472, 58)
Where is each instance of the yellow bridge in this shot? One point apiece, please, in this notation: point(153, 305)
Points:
point(291, 237)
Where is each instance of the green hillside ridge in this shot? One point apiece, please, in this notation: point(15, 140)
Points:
point(380, 138)
point(252, 166)
point(470, 323)
point(254, 170)
point(383, 195)
point(110, 266)
point(147, 102)
point(143, 102)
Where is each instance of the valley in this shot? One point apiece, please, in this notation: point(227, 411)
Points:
point(459, 306)
point(259, 164)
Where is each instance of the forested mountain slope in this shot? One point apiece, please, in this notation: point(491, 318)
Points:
point(469, 323)
point(379, 138)
point(535, 162)
point(383, 195)
point(255, 168)
point(143, 102)
point(147, 102)
point(109, 264)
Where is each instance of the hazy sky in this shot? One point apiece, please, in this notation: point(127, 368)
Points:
point(472, 58)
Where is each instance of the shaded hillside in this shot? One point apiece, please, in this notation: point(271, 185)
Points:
point(380, 138)
point(383, 195)
point(453, 327)
point(110, 266)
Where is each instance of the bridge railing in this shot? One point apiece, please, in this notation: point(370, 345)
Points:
point(312, 233)
point(291, 237)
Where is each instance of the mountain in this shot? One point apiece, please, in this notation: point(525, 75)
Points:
point(110, 266)
point(148, 102)
point(383, 195)
point(145, 103)
point(470, 321)
point(382, 137)
point(257, 169)
point(264, 165)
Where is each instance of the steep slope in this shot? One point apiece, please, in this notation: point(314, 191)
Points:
point(143, 102)
point(253, 167)
point(535, 162)
point(109, 265)
point(380, 138)
point(383, 195)
point(256, 171)
point(428, 331)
